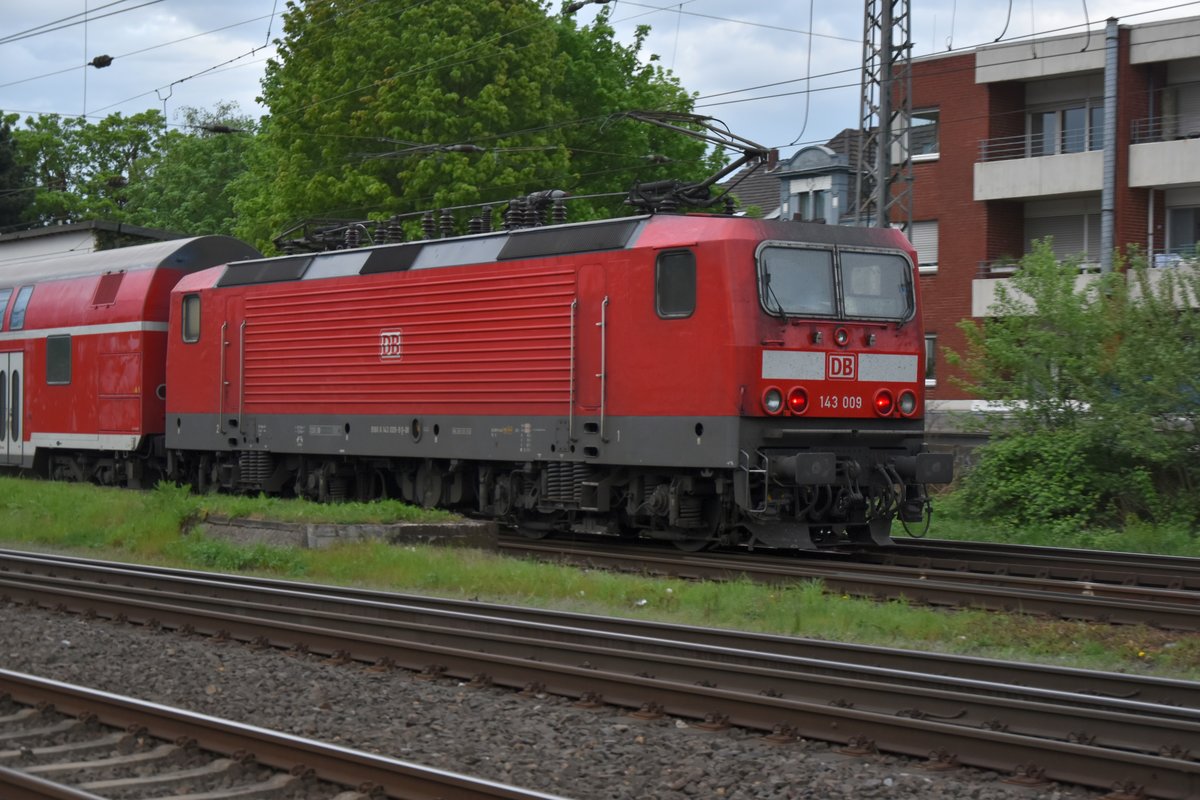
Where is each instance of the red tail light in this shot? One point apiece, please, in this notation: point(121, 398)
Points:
point(884, 402)
point(798, 400)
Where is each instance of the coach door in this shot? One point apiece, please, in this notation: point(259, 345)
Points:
point(12, 407)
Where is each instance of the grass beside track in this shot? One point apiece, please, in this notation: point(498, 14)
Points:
point(153, 527)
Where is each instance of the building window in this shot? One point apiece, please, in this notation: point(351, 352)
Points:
point(58, 359)
point(1183, 231)
point(923, 135)
point(810, 206)
point(17, 321)
point(191, 318)
point(675, 284)
point(924, 237)
point(931, 359)
point(1071, 236)
point(1071, 129)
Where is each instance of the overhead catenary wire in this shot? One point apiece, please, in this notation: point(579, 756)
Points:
point(757, 98)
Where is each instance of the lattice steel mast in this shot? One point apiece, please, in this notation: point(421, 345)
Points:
point(884, 159)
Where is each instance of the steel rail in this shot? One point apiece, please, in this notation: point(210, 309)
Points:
point(1144, 569)
point(396, 779)
point(1174, 610)
point(386, 605)
point(16, 785)
point(990, 746)
point(1117, 722)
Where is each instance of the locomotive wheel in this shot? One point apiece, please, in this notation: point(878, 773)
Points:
point(428, 485)
point(533, 525)
point(693, 541)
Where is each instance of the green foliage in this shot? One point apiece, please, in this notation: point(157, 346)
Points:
point(146, 527)
point(1098, 380)
point(205, 553)
point(15, 192)
point(84, 170)
point(187, 186)
point(364, 101)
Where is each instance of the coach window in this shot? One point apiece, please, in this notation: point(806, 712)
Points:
point(675, 284)
point(17, 321)
point(58, 359)
point(5, 294)
point(191, 318)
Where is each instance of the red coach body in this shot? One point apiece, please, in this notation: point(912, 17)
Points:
point(83, 353)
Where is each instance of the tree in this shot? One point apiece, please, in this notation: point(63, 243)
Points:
point(399, 107)
point(1098, 382)
point(84, 170)
point(186, 187)
point(15, 192)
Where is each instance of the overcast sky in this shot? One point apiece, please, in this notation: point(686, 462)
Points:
point(171, 54)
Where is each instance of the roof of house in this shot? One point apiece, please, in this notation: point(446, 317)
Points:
point(97, 225)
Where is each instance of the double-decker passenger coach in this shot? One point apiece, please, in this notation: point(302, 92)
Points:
point(83, 354)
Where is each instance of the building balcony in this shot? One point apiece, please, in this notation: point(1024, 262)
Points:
point(993, 274)
point(1022, 167)
point(1165, 152)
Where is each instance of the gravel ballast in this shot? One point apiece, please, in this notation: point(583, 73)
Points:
point(543, 743)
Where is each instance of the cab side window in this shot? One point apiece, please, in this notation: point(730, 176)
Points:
point(191, 318)
point(675, 284)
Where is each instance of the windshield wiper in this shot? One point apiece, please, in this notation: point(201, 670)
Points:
point(771, 296)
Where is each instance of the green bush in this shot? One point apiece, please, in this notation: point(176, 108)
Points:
point(1098, 378)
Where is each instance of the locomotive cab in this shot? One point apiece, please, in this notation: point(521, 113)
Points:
point(832, 450)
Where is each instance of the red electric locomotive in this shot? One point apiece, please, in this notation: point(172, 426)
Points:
point(701, 379)
point(83, 356)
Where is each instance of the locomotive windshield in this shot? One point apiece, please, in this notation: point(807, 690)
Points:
point(819, 282)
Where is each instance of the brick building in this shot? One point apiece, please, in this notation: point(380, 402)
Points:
point(1013, 146)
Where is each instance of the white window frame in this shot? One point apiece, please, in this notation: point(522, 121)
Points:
point(930, 359)
point(926, 240)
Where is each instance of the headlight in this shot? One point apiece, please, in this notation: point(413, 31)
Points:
point(907, 403)
point(772, 400)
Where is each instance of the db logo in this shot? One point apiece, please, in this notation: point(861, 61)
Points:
point(840, 366)
point(389, 345)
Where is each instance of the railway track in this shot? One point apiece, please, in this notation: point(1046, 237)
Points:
point(1094, 729)
point(1058, 563)
point(64, 742)
point(1155, 591)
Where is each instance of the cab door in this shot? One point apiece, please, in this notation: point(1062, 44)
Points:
point(12, 408)
point(233, 352)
